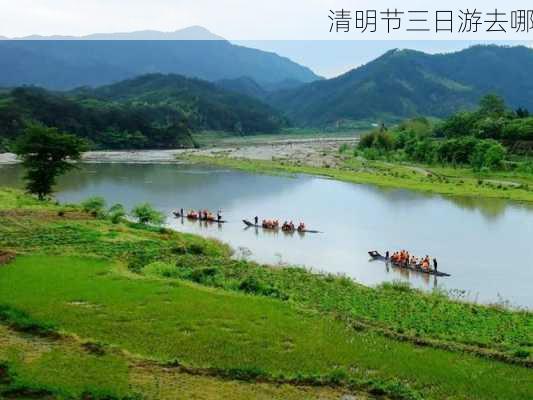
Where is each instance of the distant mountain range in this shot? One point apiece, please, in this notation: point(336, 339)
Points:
point(406, 83)
point(399, 84)
point(62, 62)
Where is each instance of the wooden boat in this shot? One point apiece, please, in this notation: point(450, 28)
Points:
point(193, 218)
point(251, 224)
point(376, 256)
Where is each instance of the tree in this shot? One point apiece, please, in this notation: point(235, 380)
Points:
point(146, 214)
point(492, 104)
point(45, 154)
point(522, 112)
point(116, 213)
point(94, 206)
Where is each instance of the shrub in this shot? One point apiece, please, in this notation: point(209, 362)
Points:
point(521, 353)
point(94, 206)
point(116, 213)
point(161, 269)
point(196, 249)
point(252, 285)
point(204, 275)
point(343, 148)
point(377, 139)
point(20, 321)
point(146, 214)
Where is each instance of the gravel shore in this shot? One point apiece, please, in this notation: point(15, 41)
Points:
point(315, 151)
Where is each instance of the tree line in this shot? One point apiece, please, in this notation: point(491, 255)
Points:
point(481, 139)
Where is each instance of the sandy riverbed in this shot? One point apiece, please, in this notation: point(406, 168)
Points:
point(311, 151)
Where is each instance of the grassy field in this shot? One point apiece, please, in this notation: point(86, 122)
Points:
point(214, 138)
point(120, 309)
point(446, 181)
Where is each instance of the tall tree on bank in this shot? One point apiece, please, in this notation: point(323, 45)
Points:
point(45, 154)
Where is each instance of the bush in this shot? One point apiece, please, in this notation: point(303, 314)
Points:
point(521, 353)
point(252, 285)
point(116, 213)
point(161, 269)
point(343, 148)
point(377, 139)
point(94, 206)
point(204, 275)
point(196, 249)
point(20, 321)
point(146, 214)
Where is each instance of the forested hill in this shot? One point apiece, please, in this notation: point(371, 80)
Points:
point(406, 83)
point(66, 64)
point(151, 111)
point(204, 104)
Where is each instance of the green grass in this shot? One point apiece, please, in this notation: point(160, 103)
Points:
point(168, 296)
point(382, 174)
point(215, 138)
point(405, 311)
point(168, 319)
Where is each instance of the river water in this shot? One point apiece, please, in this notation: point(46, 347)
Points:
point(485, 244)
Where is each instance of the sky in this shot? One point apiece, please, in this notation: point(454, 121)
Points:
point(274, 25)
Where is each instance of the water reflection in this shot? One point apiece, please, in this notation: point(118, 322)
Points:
point(483, 243)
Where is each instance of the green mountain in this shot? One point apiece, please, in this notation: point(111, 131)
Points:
point(151, 111)
point(68, 62)
point(243, 85)
point(406, 83)
point(205, 105)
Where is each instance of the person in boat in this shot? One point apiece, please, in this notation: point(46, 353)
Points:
point(387, 254)
point(219, 215)
point(435, 264)
point(425, 263)
point(256, 220)
point(301, 227)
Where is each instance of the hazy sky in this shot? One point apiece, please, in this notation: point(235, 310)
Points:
point(266, 22)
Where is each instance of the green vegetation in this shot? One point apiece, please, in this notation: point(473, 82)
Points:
point(181, 302)
point(146, 214)
point(461, 182)
point(480, 139)
point(449, 157)
point(406, 83)
point(94, 206)
point(45, 154)
point(151, 111)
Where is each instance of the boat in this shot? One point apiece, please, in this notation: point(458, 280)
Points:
point(193, 218)
point(377, 256)
point(251, 224)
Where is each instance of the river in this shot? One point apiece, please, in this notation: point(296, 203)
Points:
point(485, 244)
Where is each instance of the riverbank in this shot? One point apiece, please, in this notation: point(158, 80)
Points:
point(327, 161)
point(180, 303)
point(259, 148)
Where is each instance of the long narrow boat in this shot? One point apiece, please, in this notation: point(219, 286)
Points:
point(213, 220)
point(251, 224)
point(376, 256)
